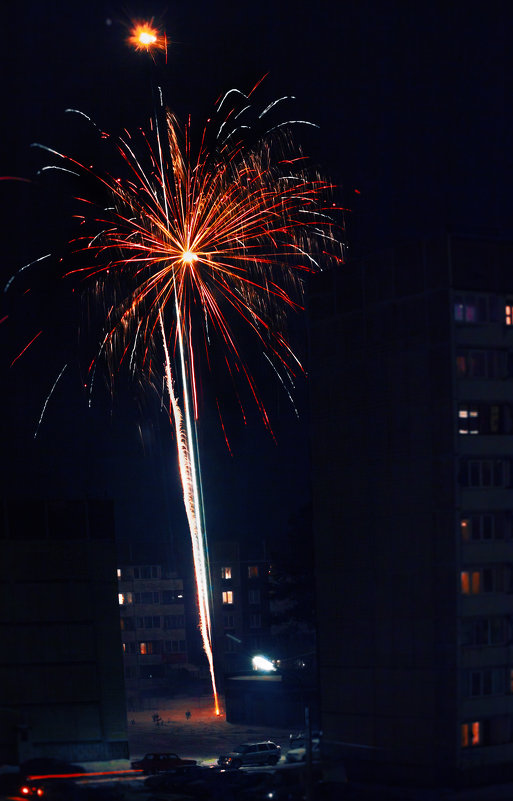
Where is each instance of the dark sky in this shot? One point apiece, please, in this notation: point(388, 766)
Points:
point(414, 107)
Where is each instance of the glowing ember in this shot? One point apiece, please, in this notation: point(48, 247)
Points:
point(144, 36)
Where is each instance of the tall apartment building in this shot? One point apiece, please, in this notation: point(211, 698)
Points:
point(61, 689)
point(412, 448)
point(153, 630)
point(240, 604)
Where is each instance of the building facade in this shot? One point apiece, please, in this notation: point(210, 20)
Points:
point(412, 424)
point(61, 689)
point(240, 589)
point(153, 631)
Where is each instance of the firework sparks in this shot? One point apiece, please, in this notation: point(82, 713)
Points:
point(197, 247)
point(144, 36)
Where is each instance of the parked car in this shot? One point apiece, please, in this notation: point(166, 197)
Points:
point(155, 763)
point(298, 754)
point(263, 753)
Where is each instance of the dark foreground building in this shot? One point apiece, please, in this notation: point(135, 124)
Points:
point(61, 667)
point(412, 414)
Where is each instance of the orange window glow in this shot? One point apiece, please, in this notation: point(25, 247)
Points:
point(475, 732)
point(476, 582)
point(508, 313)
point(465, 583)
point(464, 735)
point(465, 529)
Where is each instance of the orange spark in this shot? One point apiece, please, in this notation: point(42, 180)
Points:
point(145, 36)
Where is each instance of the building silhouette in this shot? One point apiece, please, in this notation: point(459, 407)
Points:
point(61, 689)
point(412, 434)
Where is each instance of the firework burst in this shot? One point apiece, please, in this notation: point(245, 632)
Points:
point(196, 243)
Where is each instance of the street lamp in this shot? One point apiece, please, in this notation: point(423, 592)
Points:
point(263, 664)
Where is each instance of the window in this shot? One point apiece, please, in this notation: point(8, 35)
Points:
point(470, 734)
point(485, 526)
point(484, 631)
point(230, 645)
point(474, 308)
point(150, 647)
point(255, 621)
point(119, 572)
point(484, 363)
point(484, 681)
point(485, 472)
point(485, 418)
point(228, 622)
point(174, 621)
point(227, 597)
point(253, 571)
point(254, 596)
point(146, 572)
point(146, 597)
point(172, 596)
point(468, 419)
point(493, 578)
point(149, 622)
point(125, 598)
point(175, 646)
point(226, 572)
point(508, 312)
point(127, 624)
point(470, 582)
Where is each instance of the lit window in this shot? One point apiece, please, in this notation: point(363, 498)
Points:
point(464, 735)
point(125, 598)
point(468, 419)
point(150, 647)
point(253, 571)
point(226, 572)
point(470, 734)
point(470, 582)
point(508, 313)
point(465, 529)
point(119, 572)
point(228, 597)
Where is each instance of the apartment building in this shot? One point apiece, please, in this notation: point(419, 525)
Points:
point(412, 447)
point(240, 591)
point(153, 631)
point(61, 691)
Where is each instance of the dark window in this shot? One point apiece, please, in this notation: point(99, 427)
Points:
point(172, 596)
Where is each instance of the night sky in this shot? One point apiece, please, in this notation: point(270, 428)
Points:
point(414, 108)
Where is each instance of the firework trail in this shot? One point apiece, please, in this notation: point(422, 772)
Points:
point(195, 243)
